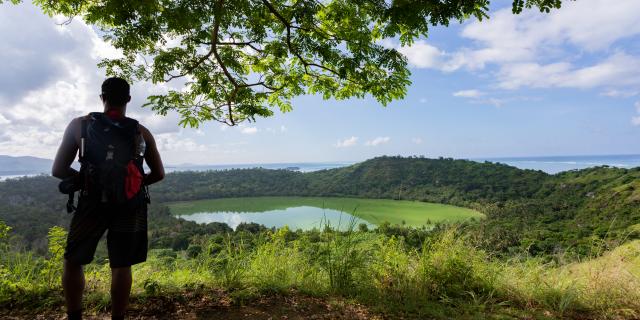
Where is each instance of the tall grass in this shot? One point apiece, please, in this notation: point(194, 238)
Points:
point(342, 256)
point(27, 279)
point(444, 278)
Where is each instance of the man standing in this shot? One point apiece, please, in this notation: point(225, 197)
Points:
point(113, 194)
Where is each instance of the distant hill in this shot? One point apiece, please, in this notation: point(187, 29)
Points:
point(445, 180)
point(24, 165)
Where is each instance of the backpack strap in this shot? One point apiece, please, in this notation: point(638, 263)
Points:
point(83, 139)
point(137, 136)
point(81, 158)
point(70, 203)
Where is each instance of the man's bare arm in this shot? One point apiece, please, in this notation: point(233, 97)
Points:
point(152, 157)
point(67, 152)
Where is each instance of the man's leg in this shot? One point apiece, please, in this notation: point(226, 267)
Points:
point(73, 285)
point(120, 290)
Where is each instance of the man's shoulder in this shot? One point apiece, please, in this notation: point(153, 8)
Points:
point(78, 120)
point(75, 125)
point(142, 128)
point(75, 122)
point(144, 131)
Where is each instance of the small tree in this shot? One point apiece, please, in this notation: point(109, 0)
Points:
point(4, 245)
point(53, 265)
point(4, 236)
point(6, 285)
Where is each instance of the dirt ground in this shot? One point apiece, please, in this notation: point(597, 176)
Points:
point(217, 305)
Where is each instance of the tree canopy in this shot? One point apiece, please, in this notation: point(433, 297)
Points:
point(238, 59)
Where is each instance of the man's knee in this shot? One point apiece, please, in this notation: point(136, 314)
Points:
point(70, 266)
point(121, 272)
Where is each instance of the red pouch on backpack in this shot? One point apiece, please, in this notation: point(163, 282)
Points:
point(133, 181)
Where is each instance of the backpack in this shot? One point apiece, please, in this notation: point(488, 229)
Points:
point(111, 161)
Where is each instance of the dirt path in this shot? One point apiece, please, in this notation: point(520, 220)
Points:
point(217, 305)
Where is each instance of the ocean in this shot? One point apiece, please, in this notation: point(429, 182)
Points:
point(302, 167)
point(555, 164)
point(4, 175)
point(551, 165)
point(297, 166)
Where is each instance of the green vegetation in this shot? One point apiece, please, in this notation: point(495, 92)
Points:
point(442, 278)
point(569, 215)
point(376, 211)
point(562, 245)
point(575, 214)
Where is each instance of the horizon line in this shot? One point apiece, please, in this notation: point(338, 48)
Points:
point(186, 164)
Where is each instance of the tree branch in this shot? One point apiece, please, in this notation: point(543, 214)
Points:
point(246, 43)
point(214, 50)
point(288, 26)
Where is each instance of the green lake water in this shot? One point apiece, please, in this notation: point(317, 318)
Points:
point(304, 217)
point(315, 212)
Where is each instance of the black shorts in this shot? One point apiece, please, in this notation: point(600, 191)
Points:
point(126, 237)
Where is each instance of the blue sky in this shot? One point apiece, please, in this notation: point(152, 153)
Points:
point(566, 83)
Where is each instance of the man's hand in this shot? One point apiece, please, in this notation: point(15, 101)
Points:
point(152, 157)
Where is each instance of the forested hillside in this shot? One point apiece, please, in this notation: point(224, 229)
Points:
point(31, 206)
point(460, 182)
point(532, 257)
point(580, 212)
point(444, 180)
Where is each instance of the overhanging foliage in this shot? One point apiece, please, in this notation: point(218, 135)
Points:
point(239, 59)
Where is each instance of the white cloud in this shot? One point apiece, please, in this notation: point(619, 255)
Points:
point(478, 97)
point(417, 140)
point(619, 69)
point(619, 93)
point(3, 120)
point(249, 130)
point(423, 100)
point(468, 93)
point(377, 141)
point(46, 89)
point(171, 142)
point(492, 101)
point(569, 48)
point(423, 55)
point(348, 142)
point(636, 120)
point(104, 50)
point(280, 129)
point(484, 99)
point(157, 123)
point(173, 148)
point(587, 25)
